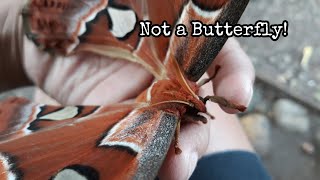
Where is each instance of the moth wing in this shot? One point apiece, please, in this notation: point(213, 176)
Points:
point(111, 28)
point(108, 28)
point(21, 117)
point(195, 53)
point(113, 142)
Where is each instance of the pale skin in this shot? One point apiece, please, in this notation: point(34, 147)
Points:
point(90, 79)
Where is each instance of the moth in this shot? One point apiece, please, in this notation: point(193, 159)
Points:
point(125, 140)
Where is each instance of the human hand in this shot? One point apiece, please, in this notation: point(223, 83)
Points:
point(120, 80)
point(91, 79)
point(234, 82)
point(85, 79)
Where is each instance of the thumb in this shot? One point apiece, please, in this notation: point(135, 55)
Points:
point(193, 141)
point(235, 79)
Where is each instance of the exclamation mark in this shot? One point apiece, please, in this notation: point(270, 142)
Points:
point(285, 28)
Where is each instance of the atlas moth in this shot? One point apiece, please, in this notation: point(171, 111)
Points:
point(120, 141)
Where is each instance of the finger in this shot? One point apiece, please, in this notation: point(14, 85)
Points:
point(43, 98)
point(124, 88)
point(235, 78)
point(193, 141)
point(227, 133)
point(85, 78)
point(33, 59)
point(224, 133)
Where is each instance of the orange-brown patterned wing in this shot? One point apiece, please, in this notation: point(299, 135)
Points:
point(111, 28)
point(104, 27)
point(20, 117)
point(195, 53)
point(56, 25)
point(125, 141)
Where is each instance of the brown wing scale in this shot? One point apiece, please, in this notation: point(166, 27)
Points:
point(92, 145)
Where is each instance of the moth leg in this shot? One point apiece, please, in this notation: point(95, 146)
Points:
point(205, 81)
point(196, 118)
point(210, 115)
point(176, 138)
point(225, 103)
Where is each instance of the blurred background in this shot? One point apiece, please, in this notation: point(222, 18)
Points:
point(283, 120)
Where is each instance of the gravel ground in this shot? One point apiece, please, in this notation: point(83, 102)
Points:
point(280, 146)
point(285, 72)
point(291, 63)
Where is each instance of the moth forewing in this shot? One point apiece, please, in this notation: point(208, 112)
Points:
point(122, 141)
point(196, 53)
